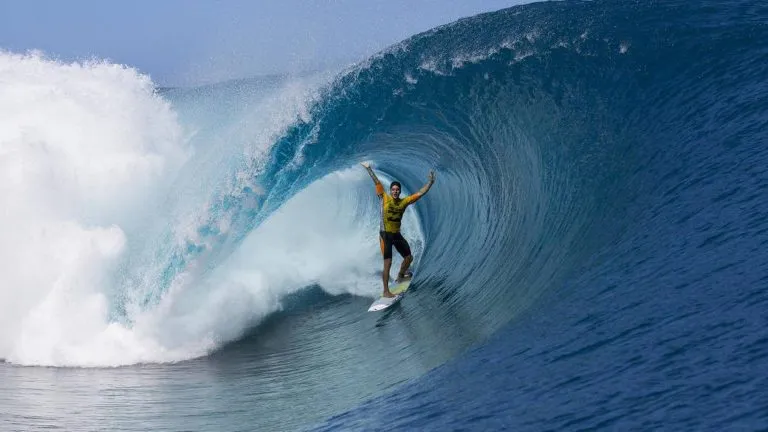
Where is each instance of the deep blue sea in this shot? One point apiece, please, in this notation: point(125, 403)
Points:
point(591, 256)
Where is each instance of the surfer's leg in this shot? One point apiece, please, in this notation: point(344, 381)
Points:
point(385, 277)
point(385, 241)
point(404, 274)
point(404, 249)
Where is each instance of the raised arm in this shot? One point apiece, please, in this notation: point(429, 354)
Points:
point(424, 189)
point(431, 180)
point(368, 168)
point(379, 186)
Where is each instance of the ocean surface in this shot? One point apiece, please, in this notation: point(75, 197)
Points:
point(591, 256)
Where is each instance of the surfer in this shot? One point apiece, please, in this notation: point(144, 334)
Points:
point(392, 209)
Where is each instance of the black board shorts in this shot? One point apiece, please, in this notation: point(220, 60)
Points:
point(388, 239)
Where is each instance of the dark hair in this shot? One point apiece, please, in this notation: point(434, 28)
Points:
point(395, 183)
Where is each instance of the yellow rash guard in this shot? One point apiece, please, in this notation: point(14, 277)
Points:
point(392, 210)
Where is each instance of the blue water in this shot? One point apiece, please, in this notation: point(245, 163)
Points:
point(590, 257)
point(645, 203)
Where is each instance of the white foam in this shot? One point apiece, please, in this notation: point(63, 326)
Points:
point(326, 235)
point(624, 47)
point(82, 147)
point(93, 161)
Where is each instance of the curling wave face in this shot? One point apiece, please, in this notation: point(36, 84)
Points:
point(597, 176)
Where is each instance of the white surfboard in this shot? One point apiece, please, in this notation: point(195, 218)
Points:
point(383, 303)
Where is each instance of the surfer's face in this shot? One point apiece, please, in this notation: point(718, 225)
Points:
point(395, 191)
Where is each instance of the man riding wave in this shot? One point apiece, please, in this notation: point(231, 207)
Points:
point(392, 209)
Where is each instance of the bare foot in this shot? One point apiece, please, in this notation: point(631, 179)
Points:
point(387, 294)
